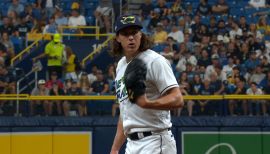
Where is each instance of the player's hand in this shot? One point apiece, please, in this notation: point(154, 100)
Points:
point(142, 101)
point(114, 152)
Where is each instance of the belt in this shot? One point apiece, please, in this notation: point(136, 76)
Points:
point(139, 135)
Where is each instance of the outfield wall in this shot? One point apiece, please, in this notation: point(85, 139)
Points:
point(94, 135)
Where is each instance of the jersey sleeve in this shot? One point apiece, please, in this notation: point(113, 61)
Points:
point(160, 72)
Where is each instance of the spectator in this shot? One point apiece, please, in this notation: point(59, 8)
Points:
point(146, 9)
point(216, 83)
point(37, 10)
point(155, 18)
point(93, 75)
point(49, 6)
point(110, 76)
point(3, 52)
point(196, 23)
point(243, 55)
point(265, 64)
point(257, 3)
point(172, 44)
point(210, 69)
point(254, 90)
point(164, 9)
point(253, 31)
point(100, 86)
point(232, 51)
point(176, 34)
point(212, 28)
point(39, 107)
point(70, 71)
point(7, 26)
point(186, 90)
point(204, 60)
point(103, 13)
point(56, 91)
point(51, 27)
point(228, 69)
point(243, 23)
point(180, 58)
point(54, 80)
point(77, 106)
point(160, 36)
point(239, 89)
point(38, 26)
point(7, 86)
point(14, 18)
point(54, 52)
point(85, 84)
point(201, 33)
point(204, 9)
point(60, 19)
point(258, 76)
point(221, 28)
point(190, 71)
point(221, 7)
point(262, 26)
point(167, 24)
point(22, 29)
point(190, 45)
point(177, 8)
point(265, 84)
point(220, 74)
point(76, 19)
point(167, 53)
point(67, 85)
point(252, 62)
point(10, 48)
point(16, 6)
point(205, 106)
point(235, 31)
point(196, 85)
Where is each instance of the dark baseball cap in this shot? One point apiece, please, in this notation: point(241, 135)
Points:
point(127, 21)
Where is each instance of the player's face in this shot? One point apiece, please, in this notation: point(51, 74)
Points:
point(130, 39)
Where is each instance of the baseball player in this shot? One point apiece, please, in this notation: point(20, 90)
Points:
point(146, 90)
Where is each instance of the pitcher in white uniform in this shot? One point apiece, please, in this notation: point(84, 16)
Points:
point(145, 124)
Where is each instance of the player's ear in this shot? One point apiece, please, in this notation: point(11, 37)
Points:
point(117, 39)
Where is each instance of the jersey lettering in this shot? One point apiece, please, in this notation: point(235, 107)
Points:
point(121, 91)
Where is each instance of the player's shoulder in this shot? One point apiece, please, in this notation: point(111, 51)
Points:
point(150, 55)
point(121, 63)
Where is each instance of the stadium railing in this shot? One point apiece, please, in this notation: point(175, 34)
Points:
point(98, 49)
point(26, 97)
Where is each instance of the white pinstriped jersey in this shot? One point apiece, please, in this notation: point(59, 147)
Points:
point(159, 79)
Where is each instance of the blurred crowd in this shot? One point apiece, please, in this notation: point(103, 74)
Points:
point(212, 52)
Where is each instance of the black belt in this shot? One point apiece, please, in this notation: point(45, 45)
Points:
point(140, 135)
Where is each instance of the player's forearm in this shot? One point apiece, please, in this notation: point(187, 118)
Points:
point(172, 100)
point(120, 138)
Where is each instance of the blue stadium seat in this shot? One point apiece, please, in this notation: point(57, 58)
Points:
point(90, 20)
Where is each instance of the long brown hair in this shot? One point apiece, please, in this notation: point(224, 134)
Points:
point(117, 50)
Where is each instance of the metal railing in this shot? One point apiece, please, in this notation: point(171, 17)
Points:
point(97, 50)
point(28, 97)
point(26, 50)
point(97, 30)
